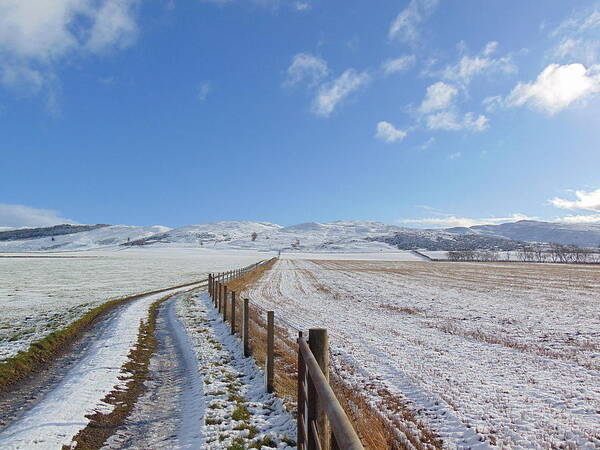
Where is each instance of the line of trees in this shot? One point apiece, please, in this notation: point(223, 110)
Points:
point(474, 255)
point(556, 253)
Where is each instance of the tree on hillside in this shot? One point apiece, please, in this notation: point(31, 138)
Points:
point(254, 236)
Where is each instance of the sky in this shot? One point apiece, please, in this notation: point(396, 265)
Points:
point(424, 113)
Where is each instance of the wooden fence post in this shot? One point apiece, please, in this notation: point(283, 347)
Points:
point(301, 416)
point(224, 303)
point(319, 346)
point(269, 366)
point(221, 286)
point(245, 329)
point(232, 312)
point(215, 292)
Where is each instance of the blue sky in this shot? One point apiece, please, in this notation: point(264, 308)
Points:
point(421, 113)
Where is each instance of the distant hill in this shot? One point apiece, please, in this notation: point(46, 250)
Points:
point(91, 237)
point(343, 236)
point(582, 235)
point(56, 230)
point(435, 240)
point(207, 233)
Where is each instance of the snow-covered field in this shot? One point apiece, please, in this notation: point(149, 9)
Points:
point(483, 354)
point(41, 294)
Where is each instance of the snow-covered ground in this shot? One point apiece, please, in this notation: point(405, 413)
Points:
point(39, 295)
point(484, 354)
point(398, 255)
point(237, 409)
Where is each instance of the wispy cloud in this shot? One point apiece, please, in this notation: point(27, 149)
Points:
point(398, 65)
point(584, 200)
point(15, 216)
point(306, 67)
point(203, 90)
point(427, 144)
point(330, 94)
point(469, 67)
point(577, 37)
point(452, 121)
point(301, 6)
point(557, 88)
point(405, 26)
point(389, 133)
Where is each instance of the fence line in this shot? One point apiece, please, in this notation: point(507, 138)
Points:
point(322, 422)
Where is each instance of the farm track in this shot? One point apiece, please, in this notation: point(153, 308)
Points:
point(171, 409)
point(47, 410)
point(484, 353)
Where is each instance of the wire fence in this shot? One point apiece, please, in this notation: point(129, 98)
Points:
point(291, 368)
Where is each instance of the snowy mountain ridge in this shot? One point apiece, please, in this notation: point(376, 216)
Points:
point(353, 236)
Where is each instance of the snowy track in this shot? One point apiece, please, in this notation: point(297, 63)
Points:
point(170, 414)
point(484, 354)
point(59, 415)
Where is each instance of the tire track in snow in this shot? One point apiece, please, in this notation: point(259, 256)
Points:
point(59, 416)
point(170, 414)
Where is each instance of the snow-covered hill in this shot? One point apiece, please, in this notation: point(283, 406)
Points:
point(583, 235)
point(340, 236)
point(334, 236)
point(109, 236)
point(211, 233)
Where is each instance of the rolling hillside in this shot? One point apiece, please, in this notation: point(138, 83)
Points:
point(342, 236)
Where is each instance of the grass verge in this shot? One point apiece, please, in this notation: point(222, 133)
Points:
point(43, 352)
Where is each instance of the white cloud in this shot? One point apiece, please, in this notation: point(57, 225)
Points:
point(428, 143)
point(594, 218)
point(578, 37)
point(330, 94)
point(580, 22)
point(438, 96)
point(15, 216)
point(114, 25)
point(453, 221)
point(36, 35)
point(454, 155)
point(305, 66)
point(398, 64)
point(468, 67)
point(557, 87)
point(492, 103)
point(18, 76)
point(570, 49)
point(203, 90)
point(301, 6)
point(389, 133)
point(589, 201)
point(451, 121)
point(406, 25)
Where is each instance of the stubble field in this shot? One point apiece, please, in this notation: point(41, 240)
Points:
point(481, 354)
